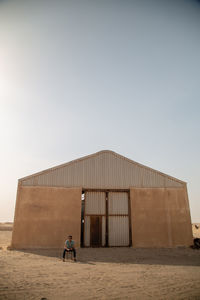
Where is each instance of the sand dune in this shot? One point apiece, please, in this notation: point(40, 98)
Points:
point(114, 273)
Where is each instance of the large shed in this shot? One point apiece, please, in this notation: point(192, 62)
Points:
point(103, 199)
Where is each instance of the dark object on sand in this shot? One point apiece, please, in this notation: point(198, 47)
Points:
point(196, 244)
point(196, 226)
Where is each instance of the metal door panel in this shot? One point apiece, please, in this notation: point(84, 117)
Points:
point(95, 203)
point(118, 231)
point(118, 203)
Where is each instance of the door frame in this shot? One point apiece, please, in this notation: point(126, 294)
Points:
point(106, 191)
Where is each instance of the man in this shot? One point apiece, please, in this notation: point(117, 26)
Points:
point(70, 247)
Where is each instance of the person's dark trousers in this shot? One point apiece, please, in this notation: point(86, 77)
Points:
point(73, 250)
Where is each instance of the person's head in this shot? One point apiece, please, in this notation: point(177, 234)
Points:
point(70, 237)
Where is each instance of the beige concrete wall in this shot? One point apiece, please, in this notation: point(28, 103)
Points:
point(160, 217)
point(45, 216)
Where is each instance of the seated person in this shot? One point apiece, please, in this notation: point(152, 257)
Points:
point(69, 247)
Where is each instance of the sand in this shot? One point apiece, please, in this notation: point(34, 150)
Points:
point(113, 273)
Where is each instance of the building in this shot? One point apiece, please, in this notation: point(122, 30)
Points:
point(103, 199)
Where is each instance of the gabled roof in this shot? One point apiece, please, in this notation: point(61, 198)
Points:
point(115, 167)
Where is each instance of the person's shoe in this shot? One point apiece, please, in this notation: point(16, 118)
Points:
point(63, 259)
point(74, 259)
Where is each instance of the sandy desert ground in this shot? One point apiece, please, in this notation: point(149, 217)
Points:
point(114, 273)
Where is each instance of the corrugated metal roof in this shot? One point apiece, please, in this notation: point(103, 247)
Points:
point(104, 169)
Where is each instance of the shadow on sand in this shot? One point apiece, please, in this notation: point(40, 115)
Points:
point(158, 256)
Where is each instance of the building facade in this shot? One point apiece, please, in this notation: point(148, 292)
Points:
point(103, 200)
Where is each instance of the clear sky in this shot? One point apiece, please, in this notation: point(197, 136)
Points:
point(77, 77)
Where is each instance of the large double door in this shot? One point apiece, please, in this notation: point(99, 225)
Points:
point(107, 219)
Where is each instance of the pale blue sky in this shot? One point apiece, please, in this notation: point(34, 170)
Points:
point(77, 77)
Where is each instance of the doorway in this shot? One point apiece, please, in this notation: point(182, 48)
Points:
point(107, 219)
point(95, 231)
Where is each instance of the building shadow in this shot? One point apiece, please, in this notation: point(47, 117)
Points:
point(122, 255)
